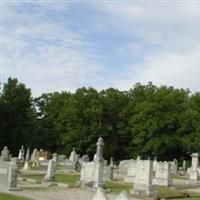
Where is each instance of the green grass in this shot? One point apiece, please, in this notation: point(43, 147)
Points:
point(189, 198)
point(179, 177)
point(118, 187)
point(4, 196)
point(60, 178)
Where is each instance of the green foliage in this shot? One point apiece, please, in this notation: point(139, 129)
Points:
point(4, 196)
point(146, 120)
point(17, 116)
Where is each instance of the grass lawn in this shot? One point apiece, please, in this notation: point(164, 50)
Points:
point(179, 177)
point(189, 198)
point(4, 196)
point(118, 187)
point(61, 178)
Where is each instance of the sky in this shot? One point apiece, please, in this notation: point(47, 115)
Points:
point(64, 45)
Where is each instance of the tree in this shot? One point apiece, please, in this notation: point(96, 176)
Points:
point(17, 116)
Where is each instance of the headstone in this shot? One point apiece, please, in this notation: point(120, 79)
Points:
point(74, 156)
point(55, 157)
point(21, 154)
point(184, 165)
point(122, 196)
point(194, 175)
point(99, 164)
point(26, 164)
point(5, 154)
point(144, 177)
point(131, 172)
point(61, 158)
point(85, 158)
point(111, 162)
point(100, 194)
point(8, 174)
point(87, 173)
point(162, 174)
point(50, 171)
point(35, 158)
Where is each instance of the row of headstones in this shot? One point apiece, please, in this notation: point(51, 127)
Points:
point(160, 172)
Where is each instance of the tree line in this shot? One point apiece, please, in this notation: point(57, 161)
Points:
point(146, 120)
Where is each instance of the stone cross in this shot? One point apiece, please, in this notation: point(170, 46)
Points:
point(99, 164)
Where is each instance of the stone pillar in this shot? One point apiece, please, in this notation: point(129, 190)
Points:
point(50, 171)
point(99, 163)
point(194, 167)
point(26, 164)
point(195, 160)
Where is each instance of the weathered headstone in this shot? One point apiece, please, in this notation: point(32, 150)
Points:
point(162, 174)
point(50, 171)
point(8, 174)
point(74, 156)
point(144, 177)
point(194, 175)
point(184, 165)
point(55, 157)
point(35, 158)
point(21, 154)
point(5, 154)
point(26, 164)
point(85, 158)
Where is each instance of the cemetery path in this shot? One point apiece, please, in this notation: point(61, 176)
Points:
point(59, 194)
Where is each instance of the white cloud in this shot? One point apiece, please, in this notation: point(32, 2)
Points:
point(171, 29)
point(46, 55)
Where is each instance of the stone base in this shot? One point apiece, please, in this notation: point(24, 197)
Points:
point(48, 179)
point(194, 175)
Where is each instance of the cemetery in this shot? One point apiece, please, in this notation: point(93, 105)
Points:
point(31, 176)
point(99, 100)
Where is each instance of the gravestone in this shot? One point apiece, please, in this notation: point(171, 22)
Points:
point(8, 174)
point(184, 165)
point(61, 158)
point(55, 157)
point(99, 164)
point(74, 156)
point(144, 177)
point(21, 154)
point(35, 158)
point(5, 154)
point(162, 174)
point(50, 171)
point(26, 164)
point(193, 172)
point(85, 158)
point(131, 172)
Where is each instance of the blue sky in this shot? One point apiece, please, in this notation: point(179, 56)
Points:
point(63, 45)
